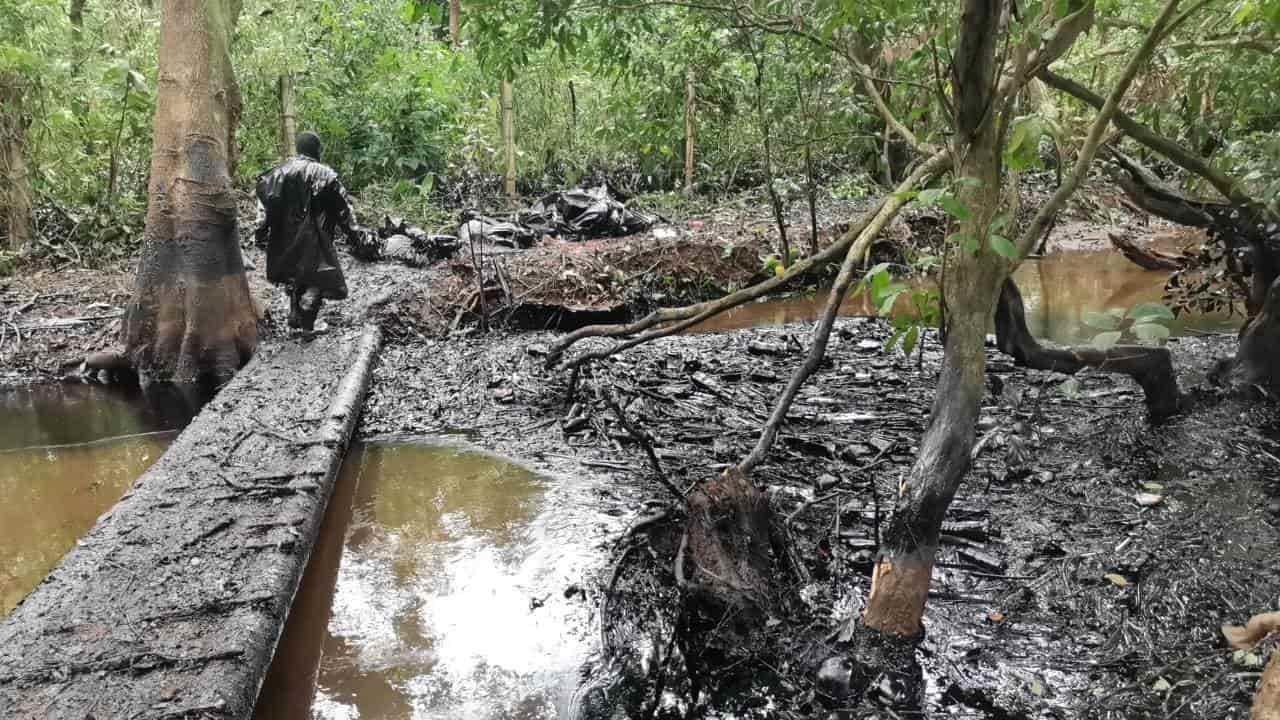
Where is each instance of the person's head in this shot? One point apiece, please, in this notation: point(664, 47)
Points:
point(308, 145)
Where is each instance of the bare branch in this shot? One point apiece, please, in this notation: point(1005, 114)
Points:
point(822, 332)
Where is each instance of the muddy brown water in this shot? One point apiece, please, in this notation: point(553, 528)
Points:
point(1059, 289)
point(67, 453)
point(444, 585)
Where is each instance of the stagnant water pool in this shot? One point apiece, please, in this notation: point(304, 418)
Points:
point(67, 453)
point(445, 585)
point(1058, 289)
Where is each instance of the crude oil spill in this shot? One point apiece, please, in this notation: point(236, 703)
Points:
point(448, 596)
point(67, 453)
point(1059, 291)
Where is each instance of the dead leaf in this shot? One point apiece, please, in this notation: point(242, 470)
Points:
point(1117, 579)
point(1148, 499)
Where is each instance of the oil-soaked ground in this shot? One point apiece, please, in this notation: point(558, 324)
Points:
point(67, 453)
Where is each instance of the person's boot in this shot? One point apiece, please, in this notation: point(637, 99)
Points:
point(310, 309)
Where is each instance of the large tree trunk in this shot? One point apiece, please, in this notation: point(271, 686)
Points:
point(900, 581)
point(191, 317)
point(15, 180)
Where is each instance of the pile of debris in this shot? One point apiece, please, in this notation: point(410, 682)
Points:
point(598, 211)
point(404, 243)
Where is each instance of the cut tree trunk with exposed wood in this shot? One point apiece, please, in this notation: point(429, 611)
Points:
point(288, 115)
point(15, 178)
point(455, 24)
point(1151, 367)
point(191, 317)
point(507, 103)
point(690, 129)
point(904, 568)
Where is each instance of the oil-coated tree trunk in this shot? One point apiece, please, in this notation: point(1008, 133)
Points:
point(288, 115)
point(191, 317)
point(15, 179)
point(900, 580)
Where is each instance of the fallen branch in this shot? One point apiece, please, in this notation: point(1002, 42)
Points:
point(1145, 258)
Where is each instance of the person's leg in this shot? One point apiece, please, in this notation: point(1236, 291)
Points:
point(310, 307)
point(295, 309)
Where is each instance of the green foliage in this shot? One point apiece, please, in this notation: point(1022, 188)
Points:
point(1147, 323)
point(909, 324)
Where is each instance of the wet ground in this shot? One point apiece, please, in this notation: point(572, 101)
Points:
point(67, 453)
point(1071, 599)
point(453, 582)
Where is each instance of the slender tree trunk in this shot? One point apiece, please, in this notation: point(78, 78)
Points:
point(766, 133)
point(900, 581)
point(15, 180)
point(75, 13)
point(288, 116)
point(509, 139)
point(191, 317)
point(455, 23)
point(690, 129)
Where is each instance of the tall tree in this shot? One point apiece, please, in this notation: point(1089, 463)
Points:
point(288, 115)
point(15, 180)
point(191, 316)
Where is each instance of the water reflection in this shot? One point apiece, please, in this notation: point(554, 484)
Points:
point(67, 453)
point(1059, 290)
point(449, 598)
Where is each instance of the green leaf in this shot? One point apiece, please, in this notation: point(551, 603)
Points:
point(910, 339)
point(1101, 320)
point(1107, 340)
point(1151, 333)
point(886, 304)
point(1151, 312)
point(1004, 247)
point(931, 196)
point(967, 242)
point(954, 207)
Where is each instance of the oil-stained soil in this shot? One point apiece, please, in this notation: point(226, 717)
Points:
point(1092, 560)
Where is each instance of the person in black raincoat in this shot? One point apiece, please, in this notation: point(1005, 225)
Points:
point(301, 204)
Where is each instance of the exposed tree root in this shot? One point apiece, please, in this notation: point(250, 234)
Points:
point(670, 321)
point(1151, 367)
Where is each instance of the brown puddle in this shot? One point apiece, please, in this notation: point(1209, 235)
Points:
point(1059, 290)
point(67, 453)
point(438, 591)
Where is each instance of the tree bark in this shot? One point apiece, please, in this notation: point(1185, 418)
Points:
point(15, 180)
point(455, 23)
point(507, 102)
point(75, 13)
point(690, 130)
point(191, 317)
point(288, 116)
point(900, 580)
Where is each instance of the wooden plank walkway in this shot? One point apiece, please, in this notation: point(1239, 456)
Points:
point(172, 605)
